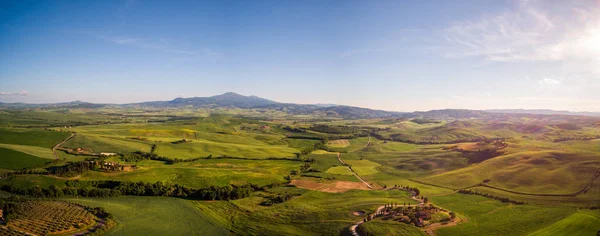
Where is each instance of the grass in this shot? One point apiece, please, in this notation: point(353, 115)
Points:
point(155, 216)
point(363, 167)
point(490, 217)
point(14, 160)
point(210, 172)
point(31, 150)
point(339, 170)
point(532, 172)
point(389, 228)
point(28, 181)
point(583, 222)
point(314, 213)
point(32, 137)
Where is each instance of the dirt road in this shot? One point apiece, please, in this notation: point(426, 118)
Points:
point(339, 156)
point(61, 143)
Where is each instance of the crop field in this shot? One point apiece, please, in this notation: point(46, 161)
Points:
point(28, 181)
point(313, 213)
point(217, 172)
point(32, 137)
point(532, 172)
point(584, 222)
point(149, 216)
point(14, 160)
point(491, 217)
point(383, 227)
point(52, 217)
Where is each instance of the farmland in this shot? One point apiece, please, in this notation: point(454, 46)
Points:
point(282, 176)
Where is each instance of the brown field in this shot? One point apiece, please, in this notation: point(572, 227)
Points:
point(339, 143)
point(330, 187)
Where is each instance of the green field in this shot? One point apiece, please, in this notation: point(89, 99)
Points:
point(530, 162)
point(155, 216)
point(388, 227)
point(583, 222)
point(204, 173)
point(529, 172)
point(486, 216)
point(14, 160)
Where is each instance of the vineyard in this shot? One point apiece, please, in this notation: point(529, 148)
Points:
point(9, 232)
point(52, 218)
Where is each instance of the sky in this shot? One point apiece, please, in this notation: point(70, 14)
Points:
point(390, 55)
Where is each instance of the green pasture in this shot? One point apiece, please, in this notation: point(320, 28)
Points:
point(155, 216)
point(485, 216)
point(14, 160)
point(313, 213)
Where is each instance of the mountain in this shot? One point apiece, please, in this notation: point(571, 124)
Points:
point(229, 99)
point(543, 112)
point(234, 100)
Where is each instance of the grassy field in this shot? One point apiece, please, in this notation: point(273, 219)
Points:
point(32, 137)
point(388, 228)
point(531, 172)
point(14, 160)
point(28, 181)
point(155, 216)
point(31, 150)
point(584, 222)
point(313, 213)
point(204, 173)
point(486, 216)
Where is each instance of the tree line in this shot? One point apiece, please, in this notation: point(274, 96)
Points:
point(110, 188)
point(502, 199)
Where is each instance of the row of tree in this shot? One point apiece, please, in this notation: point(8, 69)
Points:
point(119, 188)
point(502, 199)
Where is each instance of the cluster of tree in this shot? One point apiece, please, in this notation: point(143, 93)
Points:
point(141, 156)
point(24, 172)
point(502, 199)
point(399, 138)
point(425, 121)
point(11, 207)
point(276, 199)
point(562, 139)
point(481, 155)
point(414, 190)
point(118, 188)
point(72, 168)
point(318, 146)
point(181, 141)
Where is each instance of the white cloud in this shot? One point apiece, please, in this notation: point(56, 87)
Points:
point(548, 81)
point(535, 31)
point(21, 93)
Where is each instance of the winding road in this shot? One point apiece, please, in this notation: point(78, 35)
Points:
point(61, 143)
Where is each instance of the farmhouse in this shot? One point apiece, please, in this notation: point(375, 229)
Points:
point(108, 154)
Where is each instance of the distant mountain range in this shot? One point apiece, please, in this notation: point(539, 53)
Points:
point(234, 100)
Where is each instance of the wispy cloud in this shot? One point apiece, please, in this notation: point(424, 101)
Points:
point(21, 93)
point(548, 81)
point(534, 31)
point(162, 45)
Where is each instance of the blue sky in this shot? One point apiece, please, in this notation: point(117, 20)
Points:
point(392, 55)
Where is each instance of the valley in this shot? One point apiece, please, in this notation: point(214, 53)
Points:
point(236, 165)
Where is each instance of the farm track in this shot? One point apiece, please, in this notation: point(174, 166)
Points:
point(354, 173)
point(61, 143)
